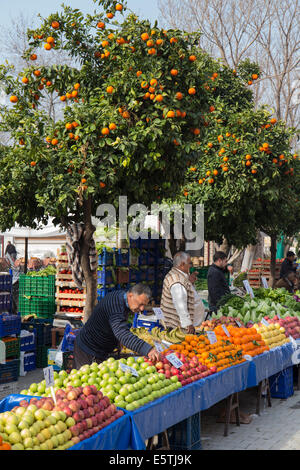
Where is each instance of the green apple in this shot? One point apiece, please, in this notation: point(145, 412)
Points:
point(94, 366)
point(28, 442)
point(40, 414)
point(92, 381)
point(44, 446)
point(58, 382)
point(24, 392)
point(119, 373)
point(140, 360)
point(25, 433)
point(60, 438)
point(111, 395)
point(17, 446)
point(63, 416)
point(54, 440)
point(33, 388)
point(129, 398)
point(123, 379)
point(10, 429)
point(130, 361)
point(123, 391)
point(63, 374)
point(15, 438)
point(20, 411)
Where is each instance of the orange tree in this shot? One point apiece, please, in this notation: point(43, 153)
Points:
point(133, 109)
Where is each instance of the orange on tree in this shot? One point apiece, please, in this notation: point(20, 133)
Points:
point(174, 72)
point(145, 36)
point(110, 89)
point(55, 24)
point(33, 57)
point(179, 96)
point(192, 91)
point(101, 25)
point(13, 99)
point(119, 7)
point(112, 126)
point(110, 15)
point(47, 46)
point(192, 58)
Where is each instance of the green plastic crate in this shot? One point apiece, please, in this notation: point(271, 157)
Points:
point(43, 307)
point(12, 347)
point(37, 285)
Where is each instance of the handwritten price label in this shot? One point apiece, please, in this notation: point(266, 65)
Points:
point(264, 282)
point(211, 337)
point(248, 288)
point(247, 357)
point(159, 347)
point(158, 313)
point(126, 368)
point(264, 322)
point(174, 360)
point(238, 323)
point(225, 330)
point(49, 376)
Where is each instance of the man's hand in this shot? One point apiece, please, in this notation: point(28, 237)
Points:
point(230, 269)
point(191, 330)
point(154, 355)
point(193, 277)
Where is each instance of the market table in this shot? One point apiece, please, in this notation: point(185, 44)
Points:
point(269, 363)
point(119, 435)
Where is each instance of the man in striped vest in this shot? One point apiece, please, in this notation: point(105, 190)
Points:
point(178, 300)
point(108, 328)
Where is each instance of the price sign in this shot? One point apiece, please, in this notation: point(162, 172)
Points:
point(225, 330)
point(49, 378)
point(211, 337)
point(264, 282)
point(238, 323)
point(264, 322)
point(159, 347)
point(126, 368)
point(166, 343)
point(247, 357)
point(174, 360)
point(158, 313)
point(248, 288)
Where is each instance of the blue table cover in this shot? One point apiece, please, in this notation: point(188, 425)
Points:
point(119, 435)
point(131, 431)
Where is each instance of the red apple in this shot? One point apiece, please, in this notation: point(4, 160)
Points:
point(25, 403)
point(90, 400)
point(91, 411)
point(87, 390)
point(68, 411)
point(89, 423)
point(75, 430)
point(72, 395)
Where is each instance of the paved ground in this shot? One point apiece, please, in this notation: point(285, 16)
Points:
point(277, 428)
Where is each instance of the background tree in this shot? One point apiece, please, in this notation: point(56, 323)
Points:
point(129, 107)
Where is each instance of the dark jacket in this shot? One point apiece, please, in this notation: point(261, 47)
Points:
point(108, 327)
point(11, 250)
point(286, 268)
point(217, 285)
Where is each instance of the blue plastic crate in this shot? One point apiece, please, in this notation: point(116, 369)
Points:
point(106, 276)
point(5, 282)
point(9, 325)
point(27, 343)
point(134, 243)
point(42, 328)
point(69, 338)
point(9, 372)
point(151, 258)
point(143, 273)
point(134, 275)
point(186, 435)
point(29, 361)
point(143, 258)
point(106, 258)
point(104, 291)
point(141, 323)
point(282, 384)
point(150, 273)
point(5, 301)
point(159, 274)
point(123, 257)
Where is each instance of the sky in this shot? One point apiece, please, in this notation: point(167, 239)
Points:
point(10, 9)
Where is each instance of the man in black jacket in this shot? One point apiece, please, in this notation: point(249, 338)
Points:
point(288, 265)
point(216, 280)
point(107, 328)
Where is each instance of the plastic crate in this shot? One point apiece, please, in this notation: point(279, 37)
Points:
point(106, 276)
point(143, 258)
point(122, 275)
point(106, 258)
point(41, 356)
point(134, 275)
point(143, 323)
point(134, 243)
point(151, 258)
point(12, 347)
point(9, 372)
point(151, 273)
point(104, 291)
point(186, 435)
point(29, 361)
point(27, 343)
point(5, 282)
point(69, 338)
point(282, 384)
point(44, 307)
point(123, 257)
point(37, 285)
point(5, 301)
point(42, 328)
point(10, 325)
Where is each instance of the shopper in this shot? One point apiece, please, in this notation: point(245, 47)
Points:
point(178, 299)
point(288, 265)
point(11, 250)
point(216, 280)
point(108, 328)
point(199, 309)
point(289, 282)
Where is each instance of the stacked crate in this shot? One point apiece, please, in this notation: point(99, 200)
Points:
point(37, 349)
point(10, 326)
point(37, 296)
point(261, 268)
point(70, 300)
point(142, 262)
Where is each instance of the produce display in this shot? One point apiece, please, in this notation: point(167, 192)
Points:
point(291, 325)
point(212, 324)
point(219, 356)
point(48, 271)
point(156, 334)
point(123, 388)
point(273, 335)
point(42, 425)
point(189, 372)
point(249, 340)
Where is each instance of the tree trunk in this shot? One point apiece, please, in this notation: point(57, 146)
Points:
point(225, 247)
point(273, 260)
point(90, 276)
point(26, 255)
point(248, 258)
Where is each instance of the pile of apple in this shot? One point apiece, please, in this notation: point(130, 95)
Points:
point(42, 425)
point(290, 324)
point(189, 372)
